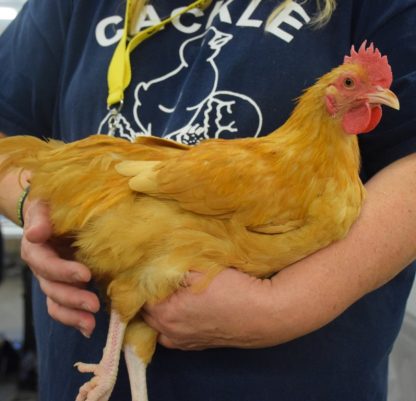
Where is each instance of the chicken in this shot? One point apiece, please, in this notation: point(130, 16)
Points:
point(255, 204)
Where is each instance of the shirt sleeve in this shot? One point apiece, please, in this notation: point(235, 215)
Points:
point(31, 52)
point(391, 26)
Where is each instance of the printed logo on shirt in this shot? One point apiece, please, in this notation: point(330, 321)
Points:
point(213, 114)
point(292, 17)
point(210, 115)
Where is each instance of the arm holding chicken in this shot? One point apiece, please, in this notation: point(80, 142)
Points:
point(298, 300)
point(311, 292)
point(326, 283)
point(62, 280)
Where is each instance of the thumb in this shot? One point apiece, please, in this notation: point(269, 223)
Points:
point(192, 277)
point(38, 227)
point(195, 281)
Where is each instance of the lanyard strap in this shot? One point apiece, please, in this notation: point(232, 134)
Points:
point(119, 70)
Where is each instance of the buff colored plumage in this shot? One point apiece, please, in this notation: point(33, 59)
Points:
point(143, 214)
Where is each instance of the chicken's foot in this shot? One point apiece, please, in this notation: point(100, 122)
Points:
point(100, 387)
point(137, 374)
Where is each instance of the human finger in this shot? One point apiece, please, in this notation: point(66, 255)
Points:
point(183, 344)
point(192, 278)
point(69, 296)
point(45, 262)
point(166, 342)
point(38, 227)
point(83, 321)
point(44, 256)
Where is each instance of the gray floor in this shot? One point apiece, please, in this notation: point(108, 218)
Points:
point(11, 305)
point(11, 323)
point(9, 392)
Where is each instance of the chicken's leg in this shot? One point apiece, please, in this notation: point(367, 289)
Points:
point(99, 388)
point(139, 347)
point(137, 374)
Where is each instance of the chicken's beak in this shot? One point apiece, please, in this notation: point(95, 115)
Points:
point(384, 96)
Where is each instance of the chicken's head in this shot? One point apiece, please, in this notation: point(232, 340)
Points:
point(358, 88)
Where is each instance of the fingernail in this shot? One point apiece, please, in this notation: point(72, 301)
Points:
point(78, 277)
point(86, 307)
point(84, 331)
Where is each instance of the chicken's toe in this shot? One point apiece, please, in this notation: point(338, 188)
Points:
point(86, 367)
point(99, 388)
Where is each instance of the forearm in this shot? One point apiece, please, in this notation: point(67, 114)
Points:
point(380, 244)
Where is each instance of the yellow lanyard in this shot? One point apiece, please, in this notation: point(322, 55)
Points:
point(119, 70)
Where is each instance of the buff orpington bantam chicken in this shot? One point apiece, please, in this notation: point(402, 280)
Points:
point(254, 204)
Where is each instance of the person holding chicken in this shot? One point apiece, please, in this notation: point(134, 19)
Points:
point(320, 329)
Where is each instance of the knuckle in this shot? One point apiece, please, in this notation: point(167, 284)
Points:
point(24, 253)
point(53, 309)
point(43, 286)
point(166, 320)
point(28, 256)
point(60, 296)
point(171, 329)
point(166, 342)
point(75, 299)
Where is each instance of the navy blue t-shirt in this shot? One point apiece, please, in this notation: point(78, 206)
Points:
point(213, 73)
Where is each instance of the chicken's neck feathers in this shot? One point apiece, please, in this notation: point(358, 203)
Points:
point(311, 134)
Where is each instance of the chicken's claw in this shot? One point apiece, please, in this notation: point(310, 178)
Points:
point(100, 387)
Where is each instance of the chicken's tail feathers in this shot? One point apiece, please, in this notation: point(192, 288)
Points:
point(22, 152)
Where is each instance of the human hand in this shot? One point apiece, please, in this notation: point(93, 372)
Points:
point(232, 311)
point(238, 310)
point(61, 279)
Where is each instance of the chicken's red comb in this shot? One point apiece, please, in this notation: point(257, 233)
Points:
point(377, 65)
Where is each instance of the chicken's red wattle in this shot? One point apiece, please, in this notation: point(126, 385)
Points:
point(362, 119)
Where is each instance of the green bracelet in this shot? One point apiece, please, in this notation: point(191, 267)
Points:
point(20, 205)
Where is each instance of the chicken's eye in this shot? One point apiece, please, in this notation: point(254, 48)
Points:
point(349, 83)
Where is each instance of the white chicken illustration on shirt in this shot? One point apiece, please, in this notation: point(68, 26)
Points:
point(191, 115)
